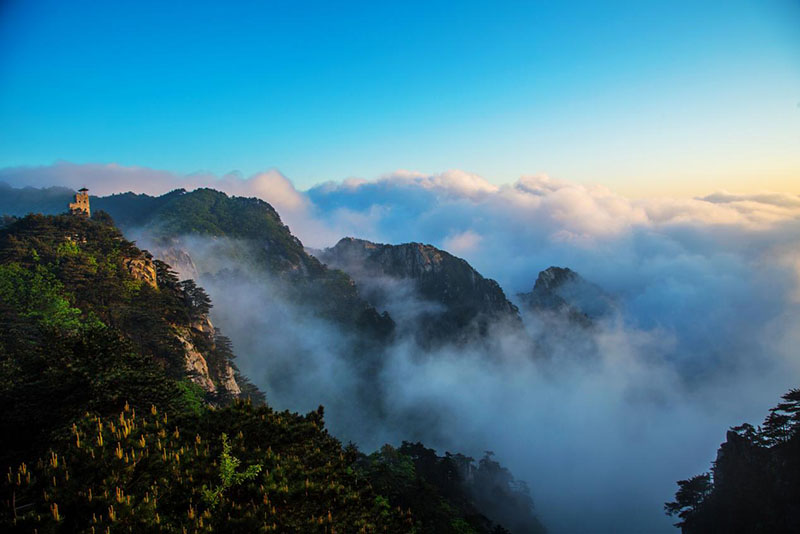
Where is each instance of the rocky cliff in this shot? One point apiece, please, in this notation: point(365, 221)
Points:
point(142, 268)
point(562, 313)
point(215, 381)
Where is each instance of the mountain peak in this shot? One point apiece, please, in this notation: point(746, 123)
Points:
point(562, 290)
point(554, 277)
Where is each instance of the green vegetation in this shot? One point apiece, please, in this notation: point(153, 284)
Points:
point(86, 349)
point(211, 213)
point(228, 475)
point(450, 494)
point(38, 296)
point(145, 473)
point(754, 485)
point(262, 240)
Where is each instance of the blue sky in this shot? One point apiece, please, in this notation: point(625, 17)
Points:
point(671, 97)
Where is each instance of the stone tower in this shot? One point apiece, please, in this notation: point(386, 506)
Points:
point(81, 204)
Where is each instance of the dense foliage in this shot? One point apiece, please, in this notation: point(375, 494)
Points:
point(265, 243)
point(754, 485)
point(450, 494)
point(237, 469)
point(90, 271)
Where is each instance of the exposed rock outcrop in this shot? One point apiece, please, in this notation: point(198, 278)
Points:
point(205, 326)
point(221, 379)
point(196, 364)
point(227, 381)
point(142, 268)
point(562, 313)
point(178, 259)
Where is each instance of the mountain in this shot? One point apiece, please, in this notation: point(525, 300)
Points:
point(111, 421)
point(453, 297)
point(564, 293)
point(415, 478)
point(249, 233)
point(452, 301)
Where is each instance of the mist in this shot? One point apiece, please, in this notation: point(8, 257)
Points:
point(704, 335)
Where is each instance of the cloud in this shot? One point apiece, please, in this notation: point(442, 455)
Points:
point(708, 290)
point(454, 183)
point(463, 242)
point(785, 200)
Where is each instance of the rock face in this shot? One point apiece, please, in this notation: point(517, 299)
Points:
point(196, 364)
point(142, 268)
point(563, 292)
point(178, 259)
point(562, 313)
point(219, 378)
point(460, 300)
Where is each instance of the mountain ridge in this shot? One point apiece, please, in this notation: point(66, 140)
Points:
point(469, 303)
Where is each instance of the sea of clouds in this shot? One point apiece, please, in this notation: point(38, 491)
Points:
point(706, 336)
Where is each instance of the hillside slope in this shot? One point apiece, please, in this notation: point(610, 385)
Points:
point(69, 284)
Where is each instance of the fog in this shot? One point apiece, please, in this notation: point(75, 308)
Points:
point(704, 336)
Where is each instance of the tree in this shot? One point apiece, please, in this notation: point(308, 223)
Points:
point(228, 476)
point(690, 496)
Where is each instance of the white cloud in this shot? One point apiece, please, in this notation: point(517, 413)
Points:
point(454, 182)
point(463, 242)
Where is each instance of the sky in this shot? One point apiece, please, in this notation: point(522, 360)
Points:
point(668, 98)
